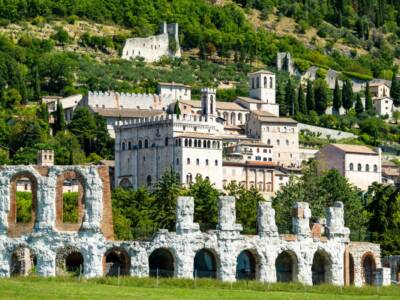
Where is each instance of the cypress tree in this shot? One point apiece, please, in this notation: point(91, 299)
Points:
point(347, 95)
point(280, 99)
point(369, 107)
point(290, 97)
point(310, 96)
point(301, 100)
point(320, 96)
point(37, 91)
point(177, 109)
point(59, 122)
point(395, 90)
point(359, 106)
point(337, 99)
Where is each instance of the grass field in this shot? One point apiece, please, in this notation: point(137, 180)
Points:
point(167, 289)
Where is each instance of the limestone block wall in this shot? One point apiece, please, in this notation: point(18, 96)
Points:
point(312, 258)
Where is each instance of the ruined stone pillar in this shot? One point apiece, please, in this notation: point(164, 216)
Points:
point(184, 262)
point(335, 222)
point(185, 216)
point(228, 233)
point(227, 215)
point(93, 262)
point(346, 266)
point(266, 220)
point(46, 263)
point(46, 204)
point(301, 215)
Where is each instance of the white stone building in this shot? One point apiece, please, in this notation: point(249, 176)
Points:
point(359, 164)
point(190, 145)
point(175, 91)
point(50, 247)
point(154, 47)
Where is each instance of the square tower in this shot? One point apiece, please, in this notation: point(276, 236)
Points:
point(208, 101)
point(45, 158)
point(262, 86)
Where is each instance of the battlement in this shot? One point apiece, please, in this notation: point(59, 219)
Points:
point(170, 119)
point(112, 93)
point(208, 90)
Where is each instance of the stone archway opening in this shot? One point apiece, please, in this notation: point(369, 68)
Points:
point(369, 269)
point(23, 203)
point(351, 267)
point(116, 262)
point(70, 201)
point(69, 261)
point(246, 266)
point(161, 263)
point(286, 266)
point(321, 268)
point(23, 262)
point(205, 264)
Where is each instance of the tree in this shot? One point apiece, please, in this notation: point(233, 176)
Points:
point(369, 107)
point(280, 99)
point(37, 93)
point(320, 96)
point(395, 90)
point(205, 202)
point(246, 206)
point(59, 118)
point(290, 97)
point(301, 100)
point(347, 95)
point(337, 99)
point(359, 106)
point(310, 96)
point(177, 109)
point(166, 192)
point(321, 189)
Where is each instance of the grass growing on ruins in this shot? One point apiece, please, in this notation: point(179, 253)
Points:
point(167, 289)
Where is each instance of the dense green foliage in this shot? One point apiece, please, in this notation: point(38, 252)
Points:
point(321, 190)
point(70, 207)
point(139, 213)
point(24, 207)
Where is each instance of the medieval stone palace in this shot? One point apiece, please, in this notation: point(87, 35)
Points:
point(321, 253)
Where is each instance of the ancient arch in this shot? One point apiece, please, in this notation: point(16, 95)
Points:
point(161, 263)
point(368, 264)
point(205, 264)
point(69, 259)
point(18, 227)
point(116, 262)
point(246, 265)
point(76, 212)
point(22, 261)
point(321, 268)
point(286, 266)
point(125, 183)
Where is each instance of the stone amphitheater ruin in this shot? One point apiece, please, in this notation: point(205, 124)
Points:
point(51, 246)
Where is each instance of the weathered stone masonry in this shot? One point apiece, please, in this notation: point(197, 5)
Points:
point(223, 253)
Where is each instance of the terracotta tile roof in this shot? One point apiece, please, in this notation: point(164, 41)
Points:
point(249, 100)
point(360, 149)
point(199, 135)
point(262, 72)
point(265, 116)
point(126, 112)
point(173, 84)
point(220, 105)
point(194, 103)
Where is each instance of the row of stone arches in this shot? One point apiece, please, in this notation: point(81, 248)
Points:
point(161, 262)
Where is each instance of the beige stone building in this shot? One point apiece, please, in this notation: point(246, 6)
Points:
point(361, 165)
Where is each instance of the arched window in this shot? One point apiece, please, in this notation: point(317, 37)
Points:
point(189, 178)
point(197, 161)
point(140, 144)
point(166, 141)
point(148, 180)
point(195, 143)
point(252, 83)
point(375, 168)
point(188, 161)
point(129, 146)
point(186, 142)
point(123, 146)
point(367, 168)
point(359, 167)
point(204, 144)
point(278, 142)
point(177, 142)
point(258, 82)
point(190, 142)
point(216, 162)
point(206, 162)
point(265, 82)
point(351, 166)
point(269, 142)
point(177, 161)
point(287, 142)
point(271, 83)
point(146, 143)
point(208, 144)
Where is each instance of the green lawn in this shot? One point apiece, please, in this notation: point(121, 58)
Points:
point(166, 289)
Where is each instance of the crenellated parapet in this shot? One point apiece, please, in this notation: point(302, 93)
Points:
point(54, 247)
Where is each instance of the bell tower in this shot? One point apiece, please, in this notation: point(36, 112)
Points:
point(208, 101)
point(262, 86)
